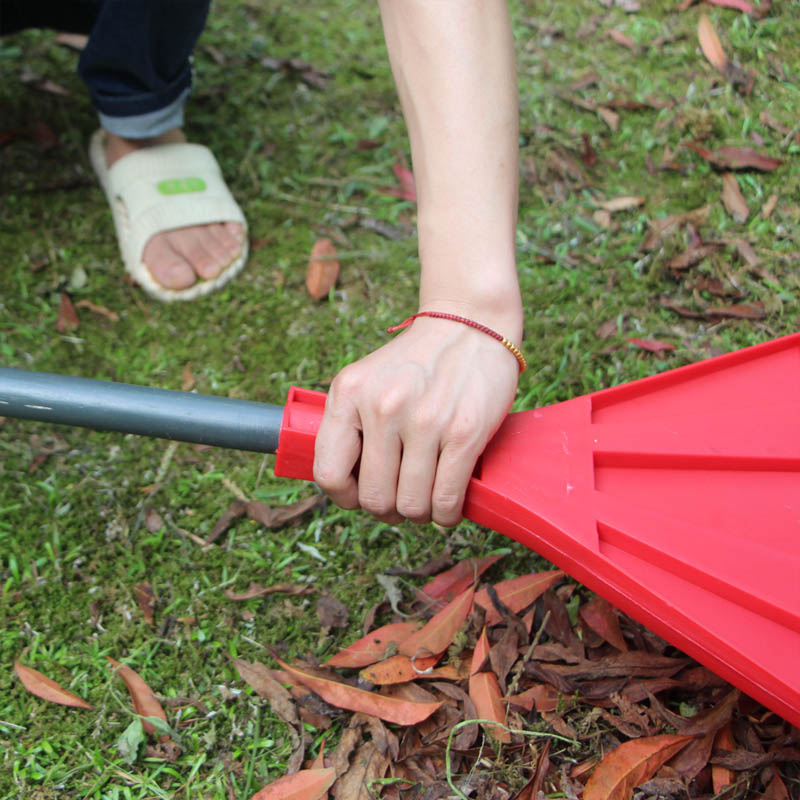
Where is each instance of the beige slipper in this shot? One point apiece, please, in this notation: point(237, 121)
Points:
point(162, 188)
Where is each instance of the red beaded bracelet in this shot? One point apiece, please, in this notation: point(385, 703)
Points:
point(507, 343)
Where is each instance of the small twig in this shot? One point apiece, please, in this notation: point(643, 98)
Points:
point(234, 489)
point(161, 474)
point(512, 689)
point(300, 201)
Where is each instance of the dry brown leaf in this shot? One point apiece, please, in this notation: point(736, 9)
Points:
point(323, 269)
point(374, 646)
point(630, 764)
point(407, 189)
point(188, 381)
point(308, 784)
point(265, 685)
point(611, 118)
point(722, 777)
point(257, 590)
point(145, 703)
point(146, 599)
point(602, 218)
point(399, 669)
point(504, 655)
point(662, 226)
point(452, 582)
point(540, 696)
point(652, 345)
point(516, 593)
point(729, 157)
point(620, 38)
point(276, 517)
point(706, 724)
point(769, 206)
point(332, 613)
point(368, 765)
point(391, 709)
point(153, 521)
point(484, 691)
point(258, 677)
point(480, 655)
point(68, 320)
point(235, 511)
point(46, 688)
point(691, 256)
point(710, 44)
point(776, 789)
point(437, 635)
point(753, 310)
point(603, 620)
point(733, 199)
point(623, 203)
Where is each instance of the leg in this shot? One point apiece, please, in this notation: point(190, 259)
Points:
point(137, 69)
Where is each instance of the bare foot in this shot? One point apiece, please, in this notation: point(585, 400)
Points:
point(176, 259)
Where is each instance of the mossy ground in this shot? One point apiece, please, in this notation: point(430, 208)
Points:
point(72, 539)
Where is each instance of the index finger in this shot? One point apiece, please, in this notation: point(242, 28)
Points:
point(337, 450)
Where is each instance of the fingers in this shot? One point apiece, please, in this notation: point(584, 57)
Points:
point(404, 426)
point(337, 450)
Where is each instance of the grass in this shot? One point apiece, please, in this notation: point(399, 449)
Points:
point(73, 542)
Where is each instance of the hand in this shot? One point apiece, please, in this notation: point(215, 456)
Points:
point(418, 413)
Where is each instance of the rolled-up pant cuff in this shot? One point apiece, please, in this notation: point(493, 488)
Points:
point(149, 124)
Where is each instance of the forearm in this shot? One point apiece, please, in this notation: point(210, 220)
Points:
point(453, 62)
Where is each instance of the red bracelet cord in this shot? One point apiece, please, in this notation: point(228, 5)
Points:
point(507, 343)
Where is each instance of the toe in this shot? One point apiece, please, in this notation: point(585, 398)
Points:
point(230, 240)
point(200, 248)
point(169, 268)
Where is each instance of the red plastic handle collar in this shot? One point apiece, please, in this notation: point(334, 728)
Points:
point(301, 418)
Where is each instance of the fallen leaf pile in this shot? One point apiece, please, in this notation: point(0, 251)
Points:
point(492, 690)
point(501, 690)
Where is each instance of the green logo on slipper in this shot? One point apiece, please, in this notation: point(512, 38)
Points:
point(181, 185)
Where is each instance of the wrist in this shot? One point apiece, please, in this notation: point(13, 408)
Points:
point(500, 310)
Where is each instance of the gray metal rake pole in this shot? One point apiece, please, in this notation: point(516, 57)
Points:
point(143, 410)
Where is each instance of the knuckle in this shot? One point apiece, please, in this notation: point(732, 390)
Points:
point(411, 508)
point(391, 402)
point(375, 503)
point(347, 382)
point(463, 434)
point(427, 417)
point(447, 508)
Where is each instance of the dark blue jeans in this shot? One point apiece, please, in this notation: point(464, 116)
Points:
point(136, 65)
